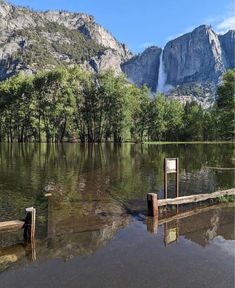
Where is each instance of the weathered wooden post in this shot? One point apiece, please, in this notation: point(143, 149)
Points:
point(29, 224)
point(177, 177)
point(171, 165)
point(165, 178)
point(152, 204)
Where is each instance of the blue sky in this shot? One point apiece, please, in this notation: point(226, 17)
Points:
point(141, 23)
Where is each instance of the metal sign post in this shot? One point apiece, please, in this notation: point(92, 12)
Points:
point(171, 165)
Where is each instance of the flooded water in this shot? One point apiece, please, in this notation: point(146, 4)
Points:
point(93, 230)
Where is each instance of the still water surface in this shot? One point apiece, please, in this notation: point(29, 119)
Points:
point(93, 232)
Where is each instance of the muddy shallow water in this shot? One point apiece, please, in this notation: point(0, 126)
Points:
point(93, 230)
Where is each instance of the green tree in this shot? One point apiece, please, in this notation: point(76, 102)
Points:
point(139, 105)
point(157, 118)
point(174, 118)
point(193, 122)
point(225, 106)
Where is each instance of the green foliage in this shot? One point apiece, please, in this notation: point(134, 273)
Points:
point(193, 122)
point(71, 105)
point(225, 106)
point(226, 199)
point(38, 51)
point(157, 118)
point(174, 118)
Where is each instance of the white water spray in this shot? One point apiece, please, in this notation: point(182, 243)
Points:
point(162, 86)
point(161, 75)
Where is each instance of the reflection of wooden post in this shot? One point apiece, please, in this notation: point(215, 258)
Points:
point(33, 249)
point(152, 204)
point(29, 225)
point(152, 224)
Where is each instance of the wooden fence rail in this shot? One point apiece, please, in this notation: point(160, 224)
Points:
point(195, 198)
point(11, 225)
point(154, 203)
point(28, 225)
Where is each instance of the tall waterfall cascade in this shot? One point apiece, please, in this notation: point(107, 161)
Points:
point(161, 85)
point(161, 75)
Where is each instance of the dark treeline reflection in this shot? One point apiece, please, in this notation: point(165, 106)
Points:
point(94, 190)
point(122, 172)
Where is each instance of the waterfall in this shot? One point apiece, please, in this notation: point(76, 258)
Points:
point(161, 75)
point(162, 86)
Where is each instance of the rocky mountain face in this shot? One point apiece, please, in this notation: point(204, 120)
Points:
point(32, 40)
point(143, 69)
point(193, 57)
point(191, 66)
point(227, 42)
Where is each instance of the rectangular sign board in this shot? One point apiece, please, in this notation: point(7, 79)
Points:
point(171, 165)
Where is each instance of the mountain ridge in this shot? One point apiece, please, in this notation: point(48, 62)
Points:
point(191, 65)
point(51, 28)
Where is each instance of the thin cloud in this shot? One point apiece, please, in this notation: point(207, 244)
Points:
point(220, 23)
point(226, 24)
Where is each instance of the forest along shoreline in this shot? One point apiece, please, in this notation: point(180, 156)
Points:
point(70, 105)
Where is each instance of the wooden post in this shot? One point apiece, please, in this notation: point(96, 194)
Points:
point(171, 165)
point(177, 177)
point(29, 225)
point(152, 204)
point(165, 179)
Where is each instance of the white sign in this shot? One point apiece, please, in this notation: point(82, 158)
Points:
point(171, 165)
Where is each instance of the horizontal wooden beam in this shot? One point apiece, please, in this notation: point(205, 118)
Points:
point(195, 198)
point(11, 225)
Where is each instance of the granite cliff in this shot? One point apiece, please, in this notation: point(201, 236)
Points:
point(31, 40)
point(227, 42)
point(189, 67)
point(193, 57)
point(143, 69)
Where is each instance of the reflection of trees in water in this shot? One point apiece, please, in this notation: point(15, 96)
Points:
point(94, 179)
point(126, 171)
point(74, 228)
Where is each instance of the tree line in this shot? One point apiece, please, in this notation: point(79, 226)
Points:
point(68, 104)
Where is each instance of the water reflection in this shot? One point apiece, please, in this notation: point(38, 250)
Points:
point(200, 226)
point(96, 191)
point(76, 229)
